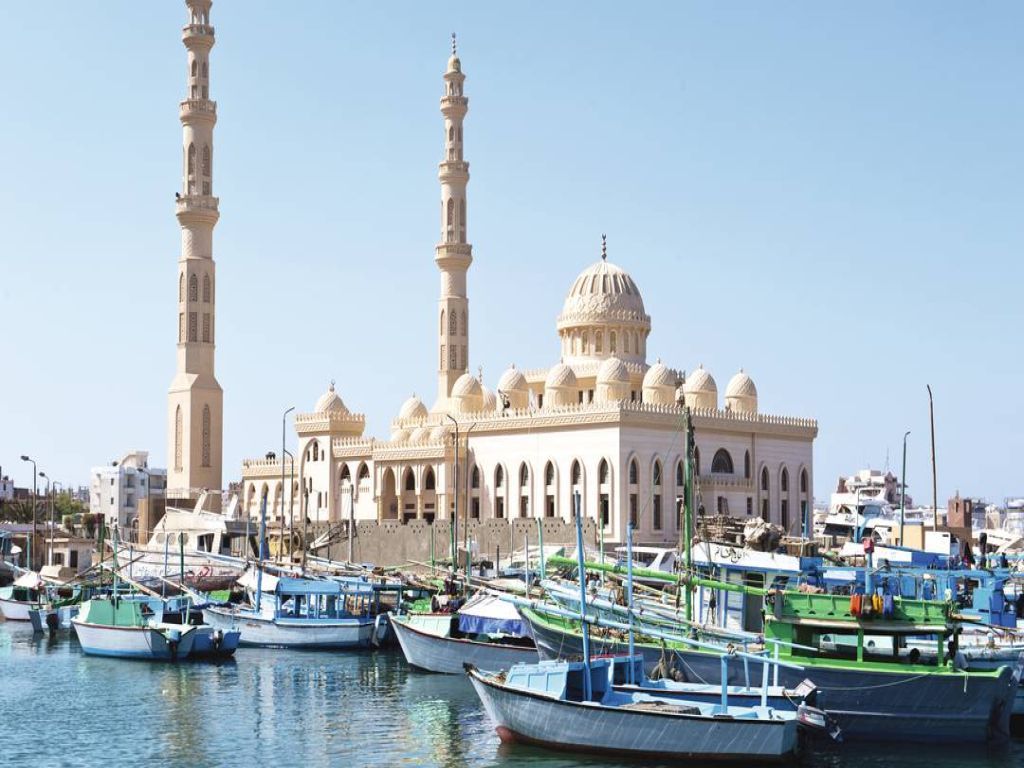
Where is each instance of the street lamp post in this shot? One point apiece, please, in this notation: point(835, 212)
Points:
point(453, 523)
point(291, 504)
point(34, 491)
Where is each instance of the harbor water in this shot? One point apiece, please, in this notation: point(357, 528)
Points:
point(268, 707)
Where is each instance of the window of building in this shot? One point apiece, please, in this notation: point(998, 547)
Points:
point(803, 481)
point(524, 474)
point(206, 327)
point(602, 472)
point(474, 508)
point(193, 331)
point(746, 465)
point(656, 512)
point(206, 435)
point(696, 461)
point(475, 477)
point(634, 505)
point(656, 475)
point(680, 474)
point(764, 479)
point(549, 474)
point(410, 480)
point(605, 509)
point(784, 480)
point(750, 506)
point(429, 481)
point(206, 289)
point(721, 464)
point(576, 472)
point(633, 473)
point(549, 505)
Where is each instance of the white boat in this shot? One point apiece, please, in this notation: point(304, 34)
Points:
point(486, 632)
point(130, 627)
point(27, 592)
point(547, 704)
point(305, 613)
point(653, 559)
point(208, 547)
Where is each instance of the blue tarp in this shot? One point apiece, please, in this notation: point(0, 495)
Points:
point(485, 615)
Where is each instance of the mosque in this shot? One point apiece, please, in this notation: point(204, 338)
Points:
point(602, 422)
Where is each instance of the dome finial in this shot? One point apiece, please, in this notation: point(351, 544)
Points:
point(453, 45)
point(332, 385)
point(604, 247)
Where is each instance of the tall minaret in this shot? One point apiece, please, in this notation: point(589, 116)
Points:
point(453, 253)
point(195, 400)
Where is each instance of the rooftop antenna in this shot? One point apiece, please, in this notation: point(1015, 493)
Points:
point(604, 247)
point(453, 44)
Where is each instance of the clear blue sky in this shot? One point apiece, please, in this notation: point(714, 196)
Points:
point(826, 194)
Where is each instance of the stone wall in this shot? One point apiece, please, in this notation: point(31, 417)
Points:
point(394, 543)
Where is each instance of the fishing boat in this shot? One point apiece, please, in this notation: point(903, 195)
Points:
point(131, 626)
point(27, 592)
point(292, 612)
point(208, 550)
point(571, 705)
point(485, 632)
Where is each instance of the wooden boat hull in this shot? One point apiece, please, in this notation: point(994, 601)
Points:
point(131, 642)
point(523, 716)
point(447, 654)
point(64, 614)
point(868, 705)
point(209, 644)
point(202, 572)
point(295, 633)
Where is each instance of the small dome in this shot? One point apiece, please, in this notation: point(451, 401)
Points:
point(658, 375)
point(439, 433)
point(454, 65)
point(467, 385)
point(400, 436)
point(560, 376)
point(512, 380)
point(419, 435)
point(413, 408)
point(700, 381)
point(741, 394)
point(741, 385)
point(612, 370)
point(329, 402)
point(659, 385)
point(514, 387)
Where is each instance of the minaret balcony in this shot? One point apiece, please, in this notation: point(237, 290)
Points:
point(204, 206)
point(197, 108)
point(195, 32)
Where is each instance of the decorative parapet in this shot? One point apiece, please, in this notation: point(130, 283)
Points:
point(329, 421)
point(725, 482)
point(352, 447)
point(252, 468)
point(603, 317)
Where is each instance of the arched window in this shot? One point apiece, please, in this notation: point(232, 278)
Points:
point(575, 473)
point(442, 324)
point(475, 480)
point(465, 324)
point(803, 481)
point(181, 287)
point(549, 474)
point(195, 67)
point(451, 218)
point(453, 325)
point(429, 483)
point(499, 477)
point(656, 474)
point(602, 472)
point(193, 288)
point(346, 475)
point(316, 451)
point(206, 160)
point(178, 431)
point(206, 288)
point(206, 435)
point(746, 465)
point(634, 474)
point(721, 464)
point(680, 474)
point(451, 133)
point(191, 159)
point(524, 474)
point(764, 479)
point(462, 220)
point(611, 342)
point(784, 480)
point(206, 70)
point(364, 472)
point(599, 342)
point(696, 461)
point(410, 480)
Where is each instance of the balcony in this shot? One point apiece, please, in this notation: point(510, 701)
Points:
point(187, 203)
point(196, 31)
point(200, 107)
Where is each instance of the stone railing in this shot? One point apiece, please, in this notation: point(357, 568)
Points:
point(198, 105)
point(197, 202)
point(603, 316)
point(454, 101)
point(197, 30)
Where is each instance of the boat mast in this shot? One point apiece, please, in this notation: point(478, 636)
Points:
point(259, 565)
point(935, 492)
point(688, 509)
point(581, 564)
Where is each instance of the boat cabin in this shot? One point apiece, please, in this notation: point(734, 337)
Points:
point(561, 679)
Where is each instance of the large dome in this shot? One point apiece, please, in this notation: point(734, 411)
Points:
point(467, 394)
point(603, 316)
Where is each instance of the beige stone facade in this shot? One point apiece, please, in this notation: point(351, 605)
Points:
point(195, 399)
point(601, 424)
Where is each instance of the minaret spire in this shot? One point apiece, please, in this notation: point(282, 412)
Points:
point(195, 399)
point(453, 253)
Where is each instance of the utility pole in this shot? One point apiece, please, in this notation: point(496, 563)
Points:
point(903, 485)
